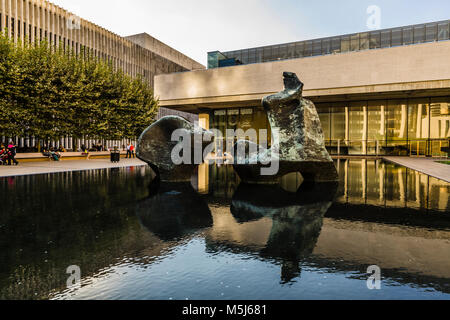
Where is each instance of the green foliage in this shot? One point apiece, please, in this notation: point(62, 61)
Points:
point(48, 93)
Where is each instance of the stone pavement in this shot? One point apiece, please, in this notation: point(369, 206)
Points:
point(30, 168)
point(424, 165)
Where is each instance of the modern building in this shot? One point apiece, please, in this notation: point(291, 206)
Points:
point(141, 54)
point(378, 92)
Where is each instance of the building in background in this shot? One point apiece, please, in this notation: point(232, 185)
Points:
point(379, 92)
point(36, 20)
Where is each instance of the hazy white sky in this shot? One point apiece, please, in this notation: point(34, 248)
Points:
point(195, 27)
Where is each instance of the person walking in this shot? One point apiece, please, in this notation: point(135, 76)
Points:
point(128, 151)
point(12, 154)
point(132, 152)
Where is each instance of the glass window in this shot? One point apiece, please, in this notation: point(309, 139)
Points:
point(252, 56)
point(440, 118)
point(244, 56)
point(443, 31)
point(356, 119)
point(357, 128)
point(397, 37)
point(267, 54)
point(324, 115)
point(275, 53)
point(419, 34)
point(299, 49)
point(375, 41)
point(317, 47)
point(431, 32)
point(336, 45)
point(386, 39)
point(396, 127)
point(259, 55)
point(407, 36)
point(338, 122)
point(354, 42)
point(418, 119)
point(283, 52)
point(326, 46)
point(308, 49)
point(364, 41)
point(291, 51)
point(377, 121)
point(345, 43)
point(238, 56)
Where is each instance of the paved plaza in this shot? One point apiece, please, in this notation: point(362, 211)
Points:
point(30, 168)
point(424, 165)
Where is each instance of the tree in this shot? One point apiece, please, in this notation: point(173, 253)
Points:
point(48, 93)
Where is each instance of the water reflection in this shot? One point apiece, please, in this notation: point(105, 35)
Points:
point(173, 210)
point(297, 220)
point(368, 182)
point(183, 241)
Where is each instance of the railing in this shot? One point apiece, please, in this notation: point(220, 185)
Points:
point(420, 148)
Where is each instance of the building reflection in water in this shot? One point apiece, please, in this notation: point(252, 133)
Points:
point(107, 219)
point(382, 214)
point(369, 182)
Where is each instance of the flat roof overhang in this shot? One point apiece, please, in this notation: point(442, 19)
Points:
point(400, 72)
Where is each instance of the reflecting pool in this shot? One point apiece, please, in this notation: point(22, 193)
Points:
point(214, 238)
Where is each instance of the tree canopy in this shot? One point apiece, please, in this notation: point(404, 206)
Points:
point(48, 93)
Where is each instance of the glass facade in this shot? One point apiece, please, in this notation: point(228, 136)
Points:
point(436, 31)
point(409, 127)
point(240, 120)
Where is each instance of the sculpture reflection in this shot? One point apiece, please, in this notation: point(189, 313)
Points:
point(173, 211)
point(297, 220)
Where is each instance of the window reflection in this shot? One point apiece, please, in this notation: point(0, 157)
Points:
point(431, 32)
point(364, 41)
point(375, 41)
point(354, 44)
point(419, 34)
point(443, 31)
point(408, 127)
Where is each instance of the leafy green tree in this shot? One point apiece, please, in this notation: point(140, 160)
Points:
point(48, 93)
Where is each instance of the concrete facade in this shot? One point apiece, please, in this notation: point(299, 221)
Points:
point(39, 20)
point(415, 70)
point(36, 20)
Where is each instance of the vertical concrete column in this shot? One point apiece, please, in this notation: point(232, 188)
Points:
point(365, 129)
point(32, 20)
point(364, 178)
point(2, 11)
point(8, 22)
point(404, 122)
point(347, 125)
point(15, 14)
point(27, 20)
point(39, 20)
point(21, 17)
point(419, 133)
point(383, 121)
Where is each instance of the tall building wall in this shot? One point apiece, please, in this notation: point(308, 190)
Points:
point(37, 20)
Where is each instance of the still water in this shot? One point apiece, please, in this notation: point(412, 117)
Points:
point(218, 239)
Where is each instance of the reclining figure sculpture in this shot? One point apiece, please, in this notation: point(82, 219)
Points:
point(298, 144)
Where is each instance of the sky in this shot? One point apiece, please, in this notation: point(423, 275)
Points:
point(196, 27)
